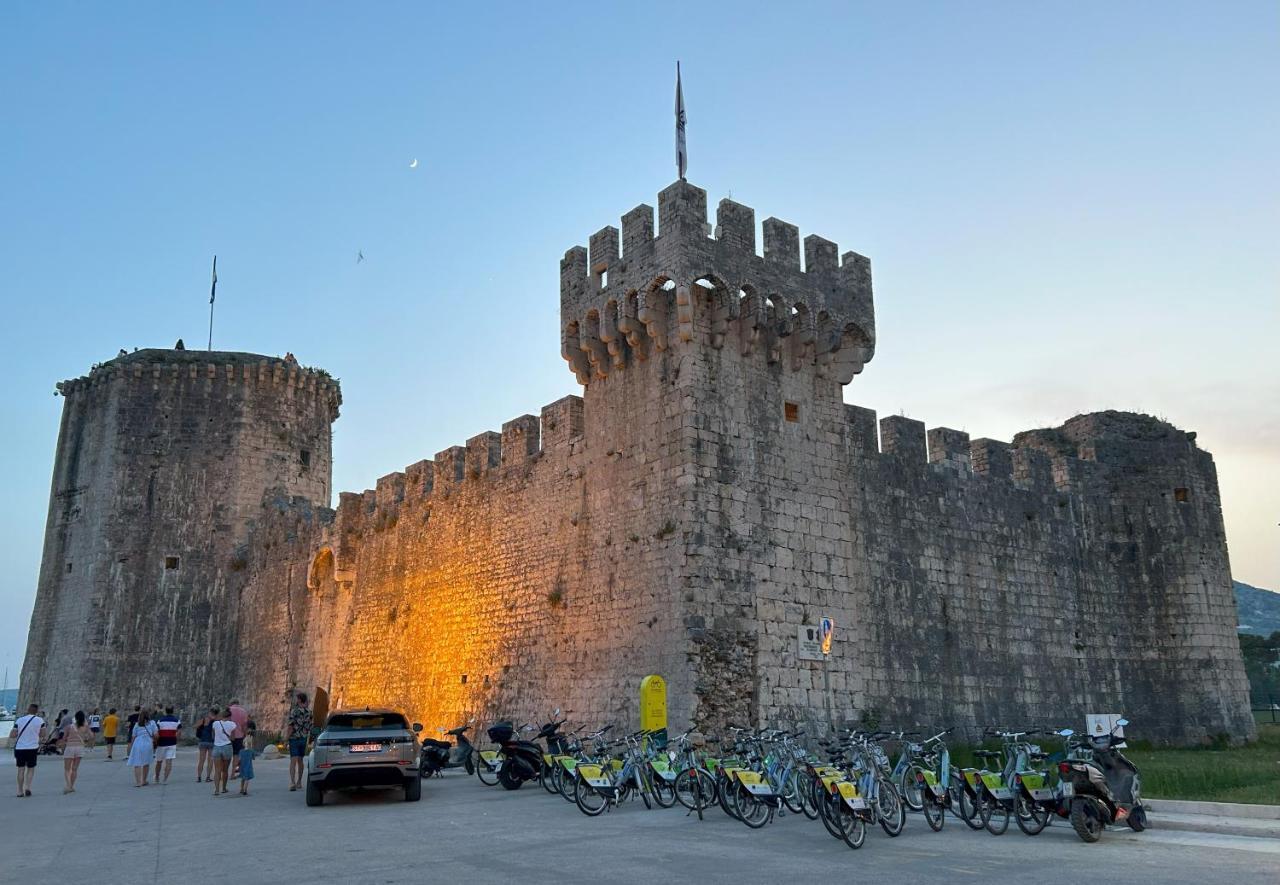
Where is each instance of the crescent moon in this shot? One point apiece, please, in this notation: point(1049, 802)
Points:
point(414, 164)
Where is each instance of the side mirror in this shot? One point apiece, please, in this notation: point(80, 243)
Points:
point(417, 726)
point(1122, 722)
point(557, 712)
point(1066, 732)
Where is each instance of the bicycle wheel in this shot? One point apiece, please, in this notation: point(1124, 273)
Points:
point(752, 810)
point(970, 810)
point(723, 790)
point(589, 801)
point(792, 793)
point(690, 783)
point(566, 783)
point(995, 816)
point(664, 791)
point(854, 831)
point(547, 777)
point(1032, 817)
point(644, 786)
point(934, 814)
point(829, 812)
point(488, 776)
point(892, 811)
point(909, 787)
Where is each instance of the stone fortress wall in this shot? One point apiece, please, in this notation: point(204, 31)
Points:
point(162, 460)
point(710, 493)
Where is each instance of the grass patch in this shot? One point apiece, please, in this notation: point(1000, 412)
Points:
point(1239, 774)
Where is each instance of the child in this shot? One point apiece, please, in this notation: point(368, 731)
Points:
point(246, 759)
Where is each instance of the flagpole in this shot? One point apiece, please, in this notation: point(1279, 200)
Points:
point(682, 156)
point(213, 291)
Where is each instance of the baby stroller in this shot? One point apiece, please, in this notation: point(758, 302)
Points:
point(50, 746)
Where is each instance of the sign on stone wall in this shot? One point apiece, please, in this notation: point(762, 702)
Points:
point(810, 642)
point(827, 630)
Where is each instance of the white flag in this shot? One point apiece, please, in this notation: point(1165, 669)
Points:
point(682, 157)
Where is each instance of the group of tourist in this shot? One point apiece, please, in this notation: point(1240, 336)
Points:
point(225, 738)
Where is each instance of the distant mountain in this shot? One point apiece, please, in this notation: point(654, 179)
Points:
point(1259, 610)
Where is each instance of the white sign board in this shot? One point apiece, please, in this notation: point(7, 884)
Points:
point(1098, 724)
point(809, 642)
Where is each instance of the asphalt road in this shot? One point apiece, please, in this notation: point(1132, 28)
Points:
point(462, 831)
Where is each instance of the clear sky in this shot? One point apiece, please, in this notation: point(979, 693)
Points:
point(1068, 206)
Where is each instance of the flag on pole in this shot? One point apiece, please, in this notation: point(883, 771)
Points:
point(682, 157)
point(213, 288)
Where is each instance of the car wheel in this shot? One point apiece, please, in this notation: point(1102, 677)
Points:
point(413, 789)
point(315, 795)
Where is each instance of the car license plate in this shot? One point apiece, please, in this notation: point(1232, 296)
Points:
point(1068, 790)
point(365, 748)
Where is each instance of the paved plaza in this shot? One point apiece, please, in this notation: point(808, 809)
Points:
point(462, 831)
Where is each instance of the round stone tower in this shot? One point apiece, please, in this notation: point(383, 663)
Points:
point(164, 457)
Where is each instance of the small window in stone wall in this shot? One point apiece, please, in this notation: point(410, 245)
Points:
point(304, 458)
point(791, 411)
point(464, 678)
point(1181, 495)
point(68, 568)
point(171, 563)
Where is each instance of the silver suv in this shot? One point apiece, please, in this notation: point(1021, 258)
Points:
point(364, 748)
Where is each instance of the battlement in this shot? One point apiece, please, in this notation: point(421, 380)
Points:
point(618, 305)
point(1066, 458)
point(523, 441)
point(206, 369)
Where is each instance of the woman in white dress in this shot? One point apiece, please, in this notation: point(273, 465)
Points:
point(76, 739)
point(142, 748)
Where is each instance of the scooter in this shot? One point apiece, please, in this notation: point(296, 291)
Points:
point(523, 760)
point(1100, 786)
point(517, 759)
point(439, 755)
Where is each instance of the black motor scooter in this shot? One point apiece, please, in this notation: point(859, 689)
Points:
point(1101, 787)
point(439, 755)
point(519, 760)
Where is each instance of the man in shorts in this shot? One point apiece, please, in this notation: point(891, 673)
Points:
point(28, 732)
point(298, 729)
point(110, 726)
point(166, 743)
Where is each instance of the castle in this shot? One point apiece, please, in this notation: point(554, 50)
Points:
point(708, 496)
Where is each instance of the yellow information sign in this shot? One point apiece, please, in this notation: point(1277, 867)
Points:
point(653, 703)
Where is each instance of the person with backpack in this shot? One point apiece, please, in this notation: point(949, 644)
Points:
point(27, 736)
point(223, 730)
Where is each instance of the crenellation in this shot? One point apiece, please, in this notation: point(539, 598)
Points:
point(682, 213)
point(820, 256)
point(450, 467)
point(418, 479)
point(903, 438)
point(781, 243)
point(736, 226)
point(521, 440)
point(562, 422)
point(389, 490)
point(637, 232)
point(949, 448)
point(862, 429)
point(603, 251)
point(991, 458)
point(483, 453)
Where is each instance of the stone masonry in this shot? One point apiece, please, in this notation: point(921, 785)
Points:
point(710, 493)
